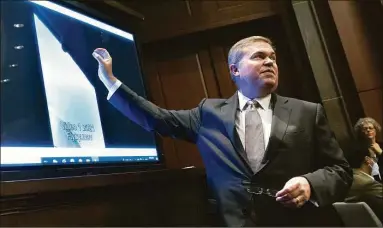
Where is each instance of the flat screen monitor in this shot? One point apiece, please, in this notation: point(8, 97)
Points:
point(54, 108)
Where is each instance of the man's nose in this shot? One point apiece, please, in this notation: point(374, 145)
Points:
point(268, 61)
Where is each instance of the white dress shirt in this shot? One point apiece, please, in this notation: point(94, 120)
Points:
point(265, 111)
point(112, 89)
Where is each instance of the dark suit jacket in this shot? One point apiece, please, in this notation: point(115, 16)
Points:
point(301, 144)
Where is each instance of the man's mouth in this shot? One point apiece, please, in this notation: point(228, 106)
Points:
point(268, 71)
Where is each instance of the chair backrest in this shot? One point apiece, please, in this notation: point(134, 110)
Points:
point(357, 215)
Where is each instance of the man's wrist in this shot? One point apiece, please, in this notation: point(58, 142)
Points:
point(109, 81)
point(113, 88)
point(113, 79)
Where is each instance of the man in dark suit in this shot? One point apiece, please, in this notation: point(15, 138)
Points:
point(274, 153)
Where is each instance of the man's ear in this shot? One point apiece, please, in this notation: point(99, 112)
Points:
point(234, 70)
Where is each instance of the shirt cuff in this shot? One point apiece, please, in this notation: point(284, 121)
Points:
point(112, 89)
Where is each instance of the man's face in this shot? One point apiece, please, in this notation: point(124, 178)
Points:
point(257, 72)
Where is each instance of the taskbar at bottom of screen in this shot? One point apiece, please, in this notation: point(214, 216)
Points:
point(88, 160)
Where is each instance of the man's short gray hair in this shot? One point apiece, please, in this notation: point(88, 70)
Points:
point(367, 120)
point(236, 52)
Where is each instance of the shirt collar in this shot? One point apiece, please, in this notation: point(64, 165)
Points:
point(263, 101)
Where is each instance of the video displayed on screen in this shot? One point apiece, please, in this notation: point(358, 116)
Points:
point(54, 108)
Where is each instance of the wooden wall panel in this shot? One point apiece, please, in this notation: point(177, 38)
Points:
point(362, 51)
point(219, 58)
point(180, 75)
point(182, 81)
point(183, 86)
point(155, 94)
point(172, 199)
point(372, 101)
point(167, 19)
point(356, 45)
point(208, 14)
point(164, 19)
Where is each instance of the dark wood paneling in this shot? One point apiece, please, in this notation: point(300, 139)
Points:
point(298, 53)
point(361, 39)
point(372, 17)
point(219, 59)
point(167, 19)
point(174, 198)
point(357, 47)
point(180, 75)
point(338, 58)
point(15, 188)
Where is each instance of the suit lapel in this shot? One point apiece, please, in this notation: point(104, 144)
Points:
point(281, 117)
point(229, 110)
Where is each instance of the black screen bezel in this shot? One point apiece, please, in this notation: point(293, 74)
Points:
point(33, 172)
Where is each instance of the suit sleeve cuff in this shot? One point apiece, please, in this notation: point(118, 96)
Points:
point(112, 89)
point(312, 198)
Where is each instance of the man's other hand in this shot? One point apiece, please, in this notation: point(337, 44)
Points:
point(295, 193)
point(104, 66)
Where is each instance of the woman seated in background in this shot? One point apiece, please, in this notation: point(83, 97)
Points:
point(366, 130)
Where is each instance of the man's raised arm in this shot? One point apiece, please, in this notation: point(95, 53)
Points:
point(182, 124)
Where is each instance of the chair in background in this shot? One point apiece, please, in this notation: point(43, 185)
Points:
point(357, 215)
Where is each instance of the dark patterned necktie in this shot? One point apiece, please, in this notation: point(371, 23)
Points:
point(254, 139)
